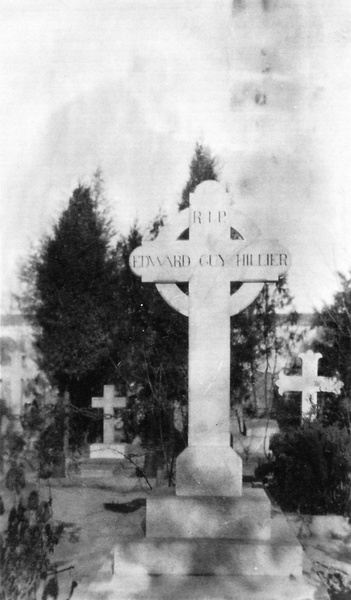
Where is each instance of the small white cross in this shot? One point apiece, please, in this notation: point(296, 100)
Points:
point(108, 403)
point(309, 383)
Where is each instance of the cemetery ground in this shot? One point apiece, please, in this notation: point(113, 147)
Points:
point(90, 526)
point(97, 513)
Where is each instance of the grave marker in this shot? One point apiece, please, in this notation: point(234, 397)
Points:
point(212, 541)
point(210, 260)
point(109, 402)
point(309, 383)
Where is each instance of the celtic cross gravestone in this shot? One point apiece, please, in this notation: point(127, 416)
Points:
point(209, 261)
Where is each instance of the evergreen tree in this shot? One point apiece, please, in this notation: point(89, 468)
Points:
point(71, 298)
point(202, 167)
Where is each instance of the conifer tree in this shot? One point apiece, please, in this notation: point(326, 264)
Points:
point(71, 298)
point(202, 167)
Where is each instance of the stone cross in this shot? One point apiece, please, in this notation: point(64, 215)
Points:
point(108, 403)
point(309, 383)
point(209, 260)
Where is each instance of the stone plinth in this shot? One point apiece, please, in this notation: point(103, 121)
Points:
point(246, 517)
point(279, 556)
point(100, 468)
point(209, 471)
point(116, 451)
point(182, 587)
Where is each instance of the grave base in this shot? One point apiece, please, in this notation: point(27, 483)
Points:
point(244, 517)
point(178, 587)
point(116, 451)
point(209, 471)
point(100, 468)
point(279, 556)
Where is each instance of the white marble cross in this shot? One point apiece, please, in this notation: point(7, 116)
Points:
point(309, 383)
point(108, 403)
point(209, 260)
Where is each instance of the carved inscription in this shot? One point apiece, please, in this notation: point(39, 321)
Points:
point(262, 260)
point(174, 260)
point(209, 216)
point(210, 251)
point(178, 261)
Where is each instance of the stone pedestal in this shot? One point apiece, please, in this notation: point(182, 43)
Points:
point(243, 518)
point(280, 555)
point(116, 451)
point(201, 547)
point(211, 471)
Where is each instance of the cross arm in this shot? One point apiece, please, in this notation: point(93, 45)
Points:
point(261, 260)
point(97, 402)
point(119, 402)
point(290, 383)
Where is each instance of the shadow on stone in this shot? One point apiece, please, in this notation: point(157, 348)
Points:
point(125, 507)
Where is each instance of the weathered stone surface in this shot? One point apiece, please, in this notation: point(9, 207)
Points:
point(209, 261)
point(245, 517)
point(211, 471)
point(280, 556)
point(116, 451)
point(182, 587)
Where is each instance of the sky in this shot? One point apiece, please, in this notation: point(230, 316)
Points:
point(130, 86)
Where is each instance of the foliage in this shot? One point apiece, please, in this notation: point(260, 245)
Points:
point(258, 335)
point(30, 538)
point(152, 344)
point(202, 167)
point(31, 535)
point(49, 446)
point(310, 469)
point(70, 297)
point(334, 340)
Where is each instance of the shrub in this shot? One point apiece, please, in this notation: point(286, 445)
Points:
point(310, 469)
point(29, 540)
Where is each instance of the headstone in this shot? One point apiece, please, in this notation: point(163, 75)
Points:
point(210, 260)
point(108, 448)
point(309, 383)
point(212, 537)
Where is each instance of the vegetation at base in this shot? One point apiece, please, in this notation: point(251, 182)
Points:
point(31, 533)
point(29, 540)
point(309, 470)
